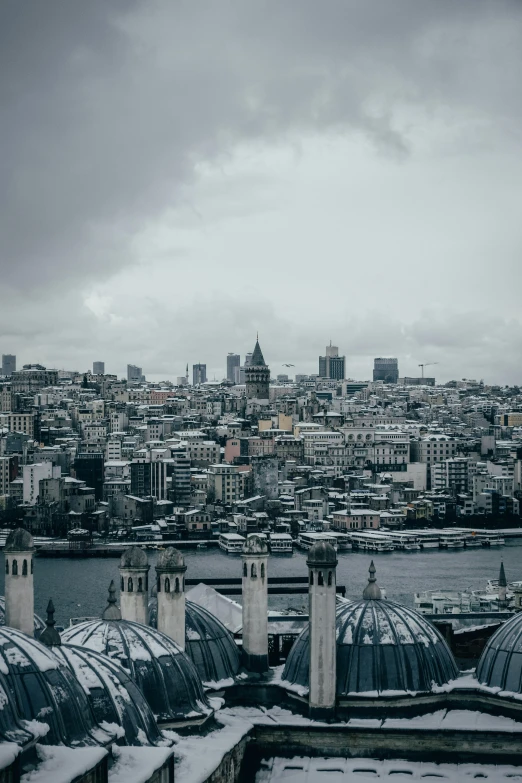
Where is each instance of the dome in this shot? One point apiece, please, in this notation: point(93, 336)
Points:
point(45, 690)
point(19, 540)
point(170, 558)
point(209, 645)
point(134, 557)
point(160, 669)
point(255, 545)
point(500, 665)
point(112, 695)
point(39, 624)
point(381, 646)
point(322, 553)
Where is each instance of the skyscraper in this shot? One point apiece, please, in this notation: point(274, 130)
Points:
point(332, 365)
point(98, 368)
point(134, 373)
point(199, 374)
point(8, 364)
point(233, 361)
point(386, 370)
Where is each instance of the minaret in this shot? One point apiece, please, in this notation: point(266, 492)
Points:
point(50, 636)
point(502, 587)
point(322, 562)
point(19, 587)
point(134, 585)
point(170, 572)
point(112, 611)
point(255, 604)
point(372, 591)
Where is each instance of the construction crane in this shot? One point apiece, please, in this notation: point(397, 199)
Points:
point(426, 364)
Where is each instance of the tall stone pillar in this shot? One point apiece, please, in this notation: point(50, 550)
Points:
point(170, 572)
point(134, 585)
point(255, 604)
point(19, 587)
point(322, 562)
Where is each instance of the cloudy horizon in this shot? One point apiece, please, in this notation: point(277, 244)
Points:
point(179, 176)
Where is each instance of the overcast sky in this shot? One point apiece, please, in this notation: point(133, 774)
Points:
point(176, 176)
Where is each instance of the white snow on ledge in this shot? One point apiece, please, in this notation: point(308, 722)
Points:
point(197, 757)
point(136, 765)
point(62, 765)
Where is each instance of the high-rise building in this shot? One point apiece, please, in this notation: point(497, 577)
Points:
point(332, 365)
point(257, 376)
point(8, 364)
point(90, 467)
point(98, 368)
point(134, 374)
point(386, 370)
point(248, 359)
point(233, 361)
point(199, 374)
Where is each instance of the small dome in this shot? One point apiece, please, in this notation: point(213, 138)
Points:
point(19, 540)
point(39, 624)
point(381, 646)
point(209, 645)
point(46, 691)
point(500, 665)
point(134, 557)
point(255, 545)
point(112, 695)
point(160, 669)
point(322, 553)
point(170, 558)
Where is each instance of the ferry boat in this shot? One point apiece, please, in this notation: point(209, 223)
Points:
point(406, 541)
point(454, 602)
point(307, 540)
point(281, 544)
point(451, 539)
point(344, 542)
point(490, 538)
point(231, 543)
point(469, 537)
point(371, 542)
point(428, 539)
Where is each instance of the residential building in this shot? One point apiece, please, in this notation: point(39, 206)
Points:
point(134, 374)
point(98, 368)
point(8, 364)
point(386, 370)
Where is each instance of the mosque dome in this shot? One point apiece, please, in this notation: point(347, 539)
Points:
point(134, 557)
point(500, 665)
point(381, 646)
point(113, 696)
point(39, 624)
point(161, 670)
point(45, 690)
point(209, 645)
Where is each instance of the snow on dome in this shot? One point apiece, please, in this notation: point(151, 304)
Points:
point(39, 624)
point(170, 558)
point(381, 646)
point(322, 553)
point(255, 545)
point(46, 691)
point(19, 540)
point(210, 646)
point(113, 696)
point(161, 670)
point(500, 665)
point(134, 557)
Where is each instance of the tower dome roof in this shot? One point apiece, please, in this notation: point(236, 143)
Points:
point(170, 558)
point(322, 553)
point(45, 690)
point(39, 624)
point(257, 359)
point(381, 646)
point(209, 645)
point(19, 540)
point(134, 557)
point(161, 670)
point(113, 696)
point(500, 665)
point(255, 545)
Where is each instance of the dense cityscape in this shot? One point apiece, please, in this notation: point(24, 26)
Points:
point(250, 453)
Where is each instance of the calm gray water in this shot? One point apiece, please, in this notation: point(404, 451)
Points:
point(79, 587)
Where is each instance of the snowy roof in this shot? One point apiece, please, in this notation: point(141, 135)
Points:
point(500, 665)
point(229, 612)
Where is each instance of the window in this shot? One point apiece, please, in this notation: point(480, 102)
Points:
point(320, 579)
point(14, 568)
point(7, 566)
point(262, 570)
point(176, 587)
point(167, 585)
point(253, 571)
point(130, 586)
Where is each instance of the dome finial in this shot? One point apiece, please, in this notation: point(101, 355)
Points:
point(111, 610)
point(50, 636)
point(372, 591)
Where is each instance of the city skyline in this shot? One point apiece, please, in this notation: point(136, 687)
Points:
point(364, 167)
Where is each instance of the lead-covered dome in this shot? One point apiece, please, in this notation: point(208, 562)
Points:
point(45, 690)
point(39, 624)
point(113, 696)
point(210, 646)
point(134, 557)
point(500, 665)
point(161, 670)
point(381, 646)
